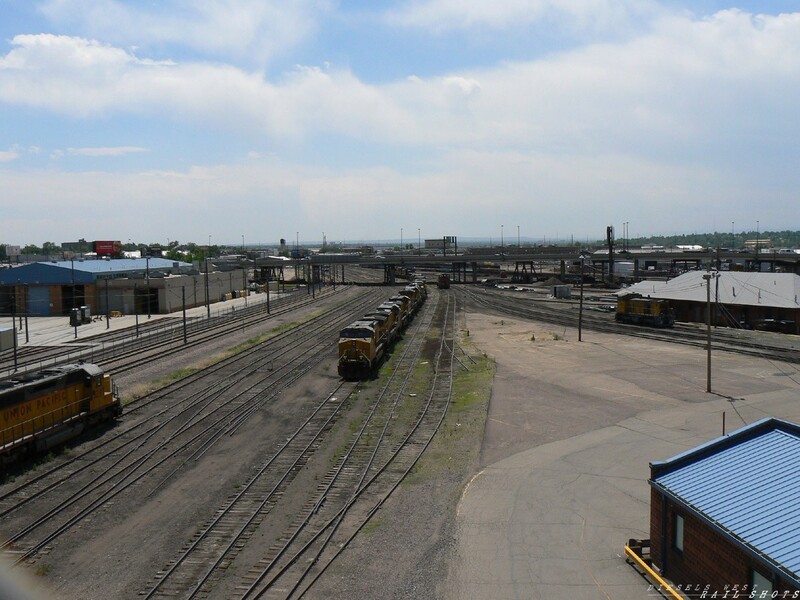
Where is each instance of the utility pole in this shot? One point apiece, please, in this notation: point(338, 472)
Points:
point(74, 322)
point(135, 308)
point(208, 303)
point(707, 277)
point(14, 325)
point(183, 301)
point(147, 270)
point(580, 307)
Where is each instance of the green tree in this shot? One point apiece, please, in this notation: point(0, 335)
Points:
point(49, 248)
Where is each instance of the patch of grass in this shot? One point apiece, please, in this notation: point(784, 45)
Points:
point(373, 525)
point(143, 390)
point(457, 444)
point(43, 569)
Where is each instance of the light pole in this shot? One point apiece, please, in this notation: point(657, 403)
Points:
point(733, 238)
point(580, 309)
point(518, 236)
point(758, 233)
point(419, 242)
point(72, 316)
point(501, 240)
point(707, 277)
point(401, 244)
point(208, 299)
point(147, 271)
point(625, 236)
point(14, 324)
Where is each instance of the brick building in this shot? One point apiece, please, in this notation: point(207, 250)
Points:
point(738, 299)
point(727, 513)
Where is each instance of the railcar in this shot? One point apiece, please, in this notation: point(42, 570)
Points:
point(384, 325)
point(405, 308)
point(414, 297)
point(363, 343)
point(443, 282)
point(45, 408)
point(636, 310)
point(358, 349)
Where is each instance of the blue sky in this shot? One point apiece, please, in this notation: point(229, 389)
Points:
point(156, 121)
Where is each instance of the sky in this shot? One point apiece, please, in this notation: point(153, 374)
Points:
point(255, 120)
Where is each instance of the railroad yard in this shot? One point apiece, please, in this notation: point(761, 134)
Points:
point(493, 455)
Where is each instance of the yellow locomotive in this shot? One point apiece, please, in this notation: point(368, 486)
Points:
point(637, 310)
point(364, 342)
point(41, 409)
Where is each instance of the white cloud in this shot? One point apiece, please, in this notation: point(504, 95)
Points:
point(676, 85)
point(255, 30)
point(9, 155)
point(109, 151)
point(547, 194)
point(444, 15)
point(654, 123)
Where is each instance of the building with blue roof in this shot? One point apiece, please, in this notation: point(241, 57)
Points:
point(125, 285)
point(727, 513)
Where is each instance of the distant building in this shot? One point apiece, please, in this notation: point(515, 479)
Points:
point(130, 286)
point(726, 515)
point(761, 243)
point(76, 247)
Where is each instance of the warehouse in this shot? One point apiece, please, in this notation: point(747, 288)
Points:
point(738, 298)
point(727, 513)
point(127, 286)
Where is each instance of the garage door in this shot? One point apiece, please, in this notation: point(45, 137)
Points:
point(39, 301)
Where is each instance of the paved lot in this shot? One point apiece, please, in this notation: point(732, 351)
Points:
point(47, 331)
point(571, 430)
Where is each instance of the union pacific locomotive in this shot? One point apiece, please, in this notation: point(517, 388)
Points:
point(364, 342)
point(636, 310)
point(42, 409)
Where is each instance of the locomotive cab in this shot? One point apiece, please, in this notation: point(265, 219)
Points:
point(357, 349)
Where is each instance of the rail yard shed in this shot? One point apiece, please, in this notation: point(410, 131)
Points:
point(769, 301)
point(127, 286)
point(726, 515)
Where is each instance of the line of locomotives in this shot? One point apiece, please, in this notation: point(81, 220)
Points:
point(364, 342)
point(42, 409)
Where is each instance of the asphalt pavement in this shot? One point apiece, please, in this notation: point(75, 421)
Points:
point(571, 430)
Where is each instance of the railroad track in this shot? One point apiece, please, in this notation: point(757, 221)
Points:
point(185, 421)
point(165, 433)
point(380, 456)
point(566, 314)
point(114, 350)
point(217, 543)
point(377, 451)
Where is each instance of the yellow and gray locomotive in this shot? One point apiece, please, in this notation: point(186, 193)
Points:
point(364, 342)
point(637, 310)
point(41, 409)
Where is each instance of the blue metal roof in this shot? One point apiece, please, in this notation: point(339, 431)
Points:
point(747, 486)
point(117, 265)
point(85, 271)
